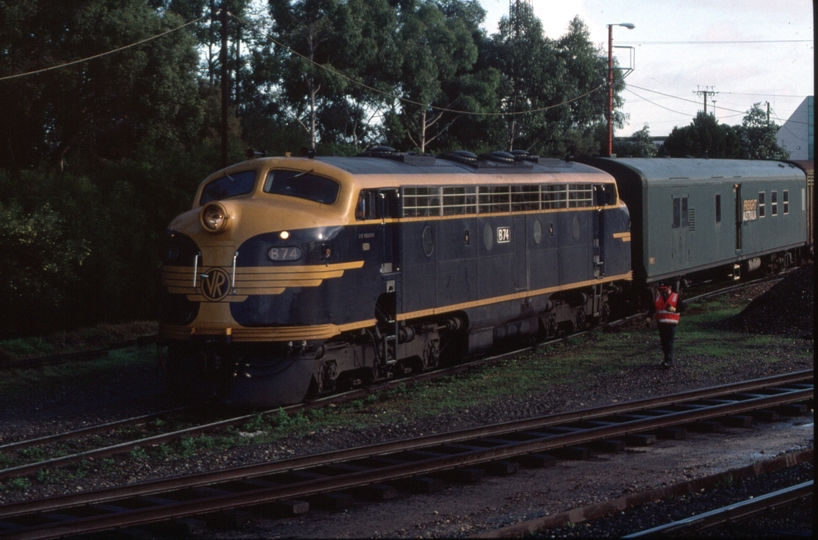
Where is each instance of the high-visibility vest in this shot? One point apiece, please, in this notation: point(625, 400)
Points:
point(662, 305)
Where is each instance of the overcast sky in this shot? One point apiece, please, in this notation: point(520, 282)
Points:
point(676, 54)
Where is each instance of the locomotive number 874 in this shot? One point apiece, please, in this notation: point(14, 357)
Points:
point(292, 277)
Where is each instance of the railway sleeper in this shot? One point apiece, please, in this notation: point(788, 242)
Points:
point(376, 492)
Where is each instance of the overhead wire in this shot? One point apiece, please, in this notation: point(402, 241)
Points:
point(100, 55)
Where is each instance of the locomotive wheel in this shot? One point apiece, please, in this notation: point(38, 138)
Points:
point(604, 313)
point(580, 320)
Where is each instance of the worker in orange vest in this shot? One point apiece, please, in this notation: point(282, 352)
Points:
point(667, 306)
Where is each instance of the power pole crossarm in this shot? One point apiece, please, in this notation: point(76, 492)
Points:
point(708, 91)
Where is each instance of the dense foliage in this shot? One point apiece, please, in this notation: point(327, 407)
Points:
point(112, 114)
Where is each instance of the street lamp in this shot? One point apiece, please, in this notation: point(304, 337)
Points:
point(629, 26)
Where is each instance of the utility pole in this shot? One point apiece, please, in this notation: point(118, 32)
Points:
point(708, 91)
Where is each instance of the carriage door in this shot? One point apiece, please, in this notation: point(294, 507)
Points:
point(680, 225)
point(739, 215)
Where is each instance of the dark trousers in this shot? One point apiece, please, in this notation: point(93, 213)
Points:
point(666, 333)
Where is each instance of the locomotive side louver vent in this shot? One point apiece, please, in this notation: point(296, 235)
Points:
point(691, 220)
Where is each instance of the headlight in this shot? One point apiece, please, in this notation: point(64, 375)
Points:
point(213, 217)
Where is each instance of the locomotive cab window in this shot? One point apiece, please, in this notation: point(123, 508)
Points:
point(303, 185)
point(229, 185)
point(377, 204)
point(367, 205)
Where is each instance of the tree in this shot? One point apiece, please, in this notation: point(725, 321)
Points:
point(584, 86)
point(104, 107)
point(438, 51)
point(530, 69)
point(314, 33)
point(704, 137)
point(637, 145)
point(758, 136)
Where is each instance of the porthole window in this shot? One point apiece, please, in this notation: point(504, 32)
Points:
point(537, 231)
point(488, 237)
point(428, 239)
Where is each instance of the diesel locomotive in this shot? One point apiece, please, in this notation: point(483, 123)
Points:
point(297, 276)
point(293, 277)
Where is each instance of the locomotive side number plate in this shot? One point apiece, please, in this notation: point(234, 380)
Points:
point(503, 235)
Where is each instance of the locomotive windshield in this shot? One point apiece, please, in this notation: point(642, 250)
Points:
point(228, 186)
point(302, 184)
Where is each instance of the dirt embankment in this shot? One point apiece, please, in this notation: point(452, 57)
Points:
point(786, 309)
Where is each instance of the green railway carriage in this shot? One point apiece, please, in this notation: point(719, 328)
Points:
point(696, 219)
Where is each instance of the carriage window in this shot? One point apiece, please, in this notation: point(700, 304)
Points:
point(773, 203)
point(718, 208)
point(677, 212)
point(761, 207)
point(229, 185)
point(303, 185)
point(785, 198)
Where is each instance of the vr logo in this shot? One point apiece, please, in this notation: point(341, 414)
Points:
point(216, 285)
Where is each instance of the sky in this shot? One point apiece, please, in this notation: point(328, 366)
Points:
point(676, 54)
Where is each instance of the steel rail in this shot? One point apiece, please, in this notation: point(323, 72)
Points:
point(89, 430)
point(606, 508)
point(732, 512)
point(346, 396)
point(473, 455)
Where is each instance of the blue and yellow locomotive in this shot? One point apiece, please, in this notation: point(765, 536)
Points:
point(292, 277)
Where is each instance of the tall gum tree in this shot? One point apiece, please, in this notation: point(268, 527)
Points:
point(438, 51)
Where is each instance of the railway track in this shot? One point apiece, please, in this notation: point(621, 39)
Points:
point(378, 471)
point(151, 438)
point(610, 510)
point(731, 513)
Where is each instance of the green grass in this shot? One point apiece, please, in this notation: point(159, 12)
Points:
point(83, 339)
point(17, 383)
